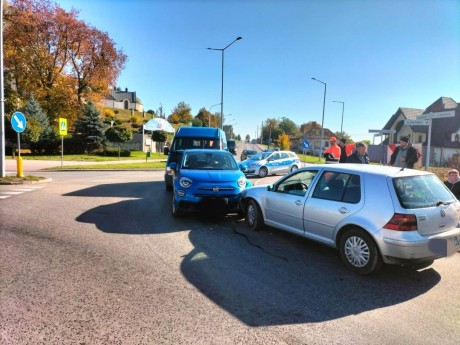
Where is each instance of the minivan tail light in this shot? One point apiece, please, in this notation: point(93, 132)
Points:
point(402, 222)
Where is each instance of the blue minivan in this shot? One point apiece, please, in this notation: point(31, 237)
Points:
point(192, 138)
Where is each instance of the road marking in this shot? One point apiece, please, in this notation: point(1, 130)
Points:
point(16, 191)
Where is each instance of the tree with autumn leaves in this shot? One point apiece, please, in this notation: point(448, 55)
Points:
point(58, 59)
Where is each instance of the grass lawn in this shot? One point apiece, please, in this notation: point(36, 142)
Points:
point(135, 155)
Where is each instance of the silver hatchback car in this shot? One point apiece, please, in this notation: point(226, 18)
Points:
point(371, 214)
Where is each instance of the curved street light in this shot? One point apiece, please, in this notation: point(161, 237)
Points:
point(341, 123)
point(322, 121)
point(222, 86)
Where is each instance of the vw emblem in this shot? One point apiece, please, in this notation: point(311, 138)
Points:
point(215, 189)
point(443, 213)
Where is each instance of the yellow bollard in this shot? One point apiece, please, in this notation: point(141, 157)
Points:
point(20, 170)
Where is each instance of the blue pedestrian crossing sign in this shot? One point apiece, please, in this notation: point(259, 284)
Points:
point(18, 121)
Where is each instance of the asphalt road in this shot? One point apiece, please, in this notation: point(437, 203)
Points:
point(95, 257)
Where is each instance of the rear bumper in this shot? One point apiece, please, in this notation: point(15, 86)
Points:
point(411, 246)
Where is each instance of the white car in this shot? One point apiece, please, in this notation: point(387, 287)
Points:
point(371, 214)
point(270, 163)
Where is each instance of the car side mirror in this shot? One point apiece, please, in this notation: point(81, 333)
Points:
point(270, 188)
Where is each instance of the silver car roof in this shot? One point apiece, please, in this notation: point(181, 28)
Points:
point(383, 170)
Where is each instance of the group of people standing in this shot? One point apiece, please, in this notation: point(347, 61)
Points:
point(337, 152)
point(404, 156)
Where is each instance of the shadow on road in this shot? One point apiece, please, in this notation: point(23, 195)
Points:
point(262, 278)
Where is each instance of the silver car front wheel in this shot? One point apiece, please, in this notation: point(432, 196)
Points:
point(254, 217)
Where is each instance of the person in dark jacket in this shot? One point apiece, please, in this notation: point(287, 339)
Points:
point(359, 155)
point(452, 182)
point(343, 150)
point(405, 155)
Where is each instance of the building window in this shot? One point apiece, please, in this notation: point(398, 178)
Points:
point(457, 137)
point(420, 138)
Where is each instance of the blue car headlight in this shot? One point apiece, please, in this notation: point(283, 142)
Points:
point(242, 182)
point(185, 182)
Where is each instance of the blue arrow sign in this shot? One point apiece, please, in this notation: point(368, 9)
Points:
point(305, 144)
point(18, 121)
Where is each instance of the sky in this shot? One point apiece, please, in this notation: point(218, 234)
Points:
point(375, 56)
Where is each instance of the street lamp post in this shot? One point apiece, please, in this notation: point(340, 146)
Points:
point(341, 124)
point(322, 121)
point(222, 85)
point(209, 111)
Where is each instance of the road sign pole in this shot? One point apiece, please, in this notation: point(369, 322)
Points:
point(19, 166)
point(427, 163)
point(62, 151)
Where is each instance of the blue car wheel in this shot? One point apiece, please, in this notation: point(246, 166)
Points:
point(176, 212)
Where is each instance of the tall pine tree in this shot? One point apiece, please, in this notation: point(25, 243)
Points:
point(89, 128)
point(39, 134)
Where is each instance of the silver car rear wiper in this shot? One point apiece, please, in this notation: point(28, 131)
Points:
point(443, 203)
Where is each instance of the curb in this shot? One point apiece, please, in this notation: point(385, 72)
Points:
point(19, 181)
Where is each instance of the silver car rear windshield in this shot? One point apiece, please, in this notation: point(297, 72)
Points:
point(421, 191)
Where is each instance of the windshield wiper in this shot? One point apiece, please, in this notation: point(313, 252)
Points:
point(443, 203)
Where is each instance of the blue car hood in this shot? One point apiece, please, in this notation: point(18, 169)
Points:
point(212, 176)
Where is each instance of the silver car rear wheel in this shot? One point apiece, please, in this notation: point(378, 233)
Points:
point(359, 252)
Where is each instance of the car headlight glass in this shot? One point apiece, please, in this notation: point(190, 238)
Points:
point(185, 182)
point(242, 182)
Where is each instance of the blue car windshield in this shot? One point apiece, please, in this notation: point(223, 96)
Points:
point(216, 160)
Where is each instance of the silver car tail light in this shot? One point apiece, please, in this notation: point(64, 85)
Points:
point(402, 222)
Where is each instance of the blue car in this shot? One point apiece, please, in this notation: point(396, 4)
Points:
point(207, 180)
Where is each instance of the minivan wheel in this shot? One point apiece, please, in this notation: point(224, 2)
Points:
point(263, 172)
point(254, 217)
point(359, 252)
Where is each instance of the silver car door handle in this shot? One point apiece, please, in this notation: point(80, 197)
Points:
point(344, 210)
point(298, 203)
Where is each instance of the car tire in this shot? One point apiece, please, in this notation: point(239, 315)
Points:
point(294, 167)
point(359, 252)
point(263, 172)
point(176, 212)
point(254, 217)
point(169, 188)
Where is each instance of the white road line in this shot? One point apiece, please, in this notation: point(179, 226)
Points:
point(11, 192)
point(4, 196)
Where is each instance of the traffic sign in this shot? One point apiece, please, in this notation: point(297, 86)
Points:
point(305, 144)
point(18, 121)
point(62, 126)
point(418, 122)
point(437, 115)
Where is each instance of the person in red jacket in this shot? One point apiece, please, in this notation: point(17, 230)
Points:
point(332, 153)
